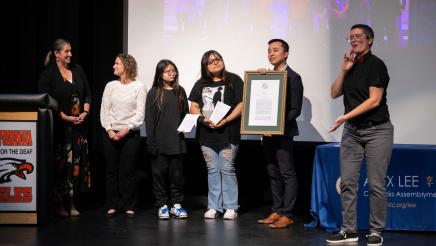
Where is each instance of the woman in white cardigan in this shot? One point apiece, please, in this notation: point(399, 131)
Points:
point(122, 112)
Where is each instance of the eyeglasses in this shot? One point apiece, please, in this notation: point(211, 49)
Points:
point(356, 37)
point(169, 72)
point(214, 61)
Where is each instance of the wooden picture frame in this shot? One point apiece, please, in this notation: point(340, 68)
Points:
point(264, 103)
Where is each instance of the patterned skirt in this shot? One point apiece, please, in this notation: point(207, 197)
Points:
point(72, 173)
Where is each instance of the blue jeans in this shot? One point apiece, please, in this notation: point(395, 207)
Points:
point(221, 176)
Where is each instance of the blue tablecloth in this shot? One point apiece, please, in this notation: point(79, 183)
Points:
point(411, 189)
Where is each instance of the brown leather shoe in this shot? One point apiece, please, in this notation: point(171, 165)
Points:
point(282, 222)
point(271, 219)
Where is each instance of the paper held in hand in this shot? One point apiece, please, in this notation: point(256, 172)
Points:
point(219, 112)
point(188, 123)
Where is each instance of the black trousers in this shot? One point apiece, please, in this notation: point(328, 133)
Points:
point(168, 178)
point(121, 157)
point(278, 152)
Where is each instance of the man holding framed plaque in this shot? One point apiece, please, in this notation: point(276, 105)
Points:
point(278, 149)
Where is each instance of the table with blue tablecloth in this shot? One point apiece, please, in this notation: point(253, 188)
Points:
point(410, 186)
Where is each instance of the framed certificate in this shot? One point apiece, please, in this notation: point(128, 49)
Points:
point(264, 103)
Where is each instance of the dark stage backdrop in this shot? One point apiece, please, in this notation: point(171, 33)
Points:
point(95, 30)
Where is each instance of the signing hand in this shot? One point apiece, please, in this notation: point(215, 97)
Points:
point(348, 60)
point(339, 121)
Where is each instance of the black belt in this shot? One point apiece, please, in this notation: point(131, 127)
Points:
point(367, 124)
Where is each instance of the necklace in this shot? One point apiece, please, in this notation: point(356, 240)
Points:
point(66, 74)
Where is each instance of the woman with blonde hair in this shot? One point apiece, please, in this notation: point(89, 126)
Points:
point(122, 112)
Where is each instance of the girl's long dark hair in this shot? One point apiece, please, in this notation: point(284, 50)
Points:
point(159, 84)
point(206, 76)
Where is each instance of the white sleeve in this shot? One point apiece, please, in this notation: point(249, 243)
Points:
point(141, 97)
point(105, 108)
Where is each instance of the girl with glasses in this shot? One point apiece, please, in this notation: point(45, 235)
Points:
point(219, 142)
point(166, 106)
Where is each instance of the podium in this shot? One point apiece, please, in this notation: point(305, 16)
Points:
point(26, 158)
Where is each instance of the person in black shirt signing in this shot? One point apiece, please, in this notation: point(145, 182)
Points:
point(219, 142)
point(368, 133)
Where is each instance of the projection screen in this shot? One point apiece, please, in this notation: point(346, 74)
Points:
point(405, 38)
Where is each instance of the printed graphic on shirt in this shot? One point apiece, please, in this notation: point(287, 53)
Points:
point(210, 96)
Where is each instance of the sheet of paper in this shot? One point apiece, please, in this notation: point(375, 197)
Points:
point(188, 123)
point(264, 102)
point(219, 112)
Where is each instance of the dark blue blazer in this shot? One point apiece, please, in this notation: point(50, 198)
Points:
point(294, 101)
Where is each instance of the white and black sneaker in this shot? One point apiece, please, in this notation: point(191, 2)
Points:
point(374, 239)
point(343, 237)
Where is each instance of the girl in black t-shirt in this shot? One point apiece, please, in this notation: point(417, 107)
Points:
point(219, 142)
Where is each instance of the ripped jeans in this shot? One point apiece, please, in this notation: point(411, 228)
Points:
point(221, 176)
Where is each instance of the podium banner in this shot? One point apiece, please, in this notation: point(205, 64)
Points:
point(26, 158)
point(18, 167)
